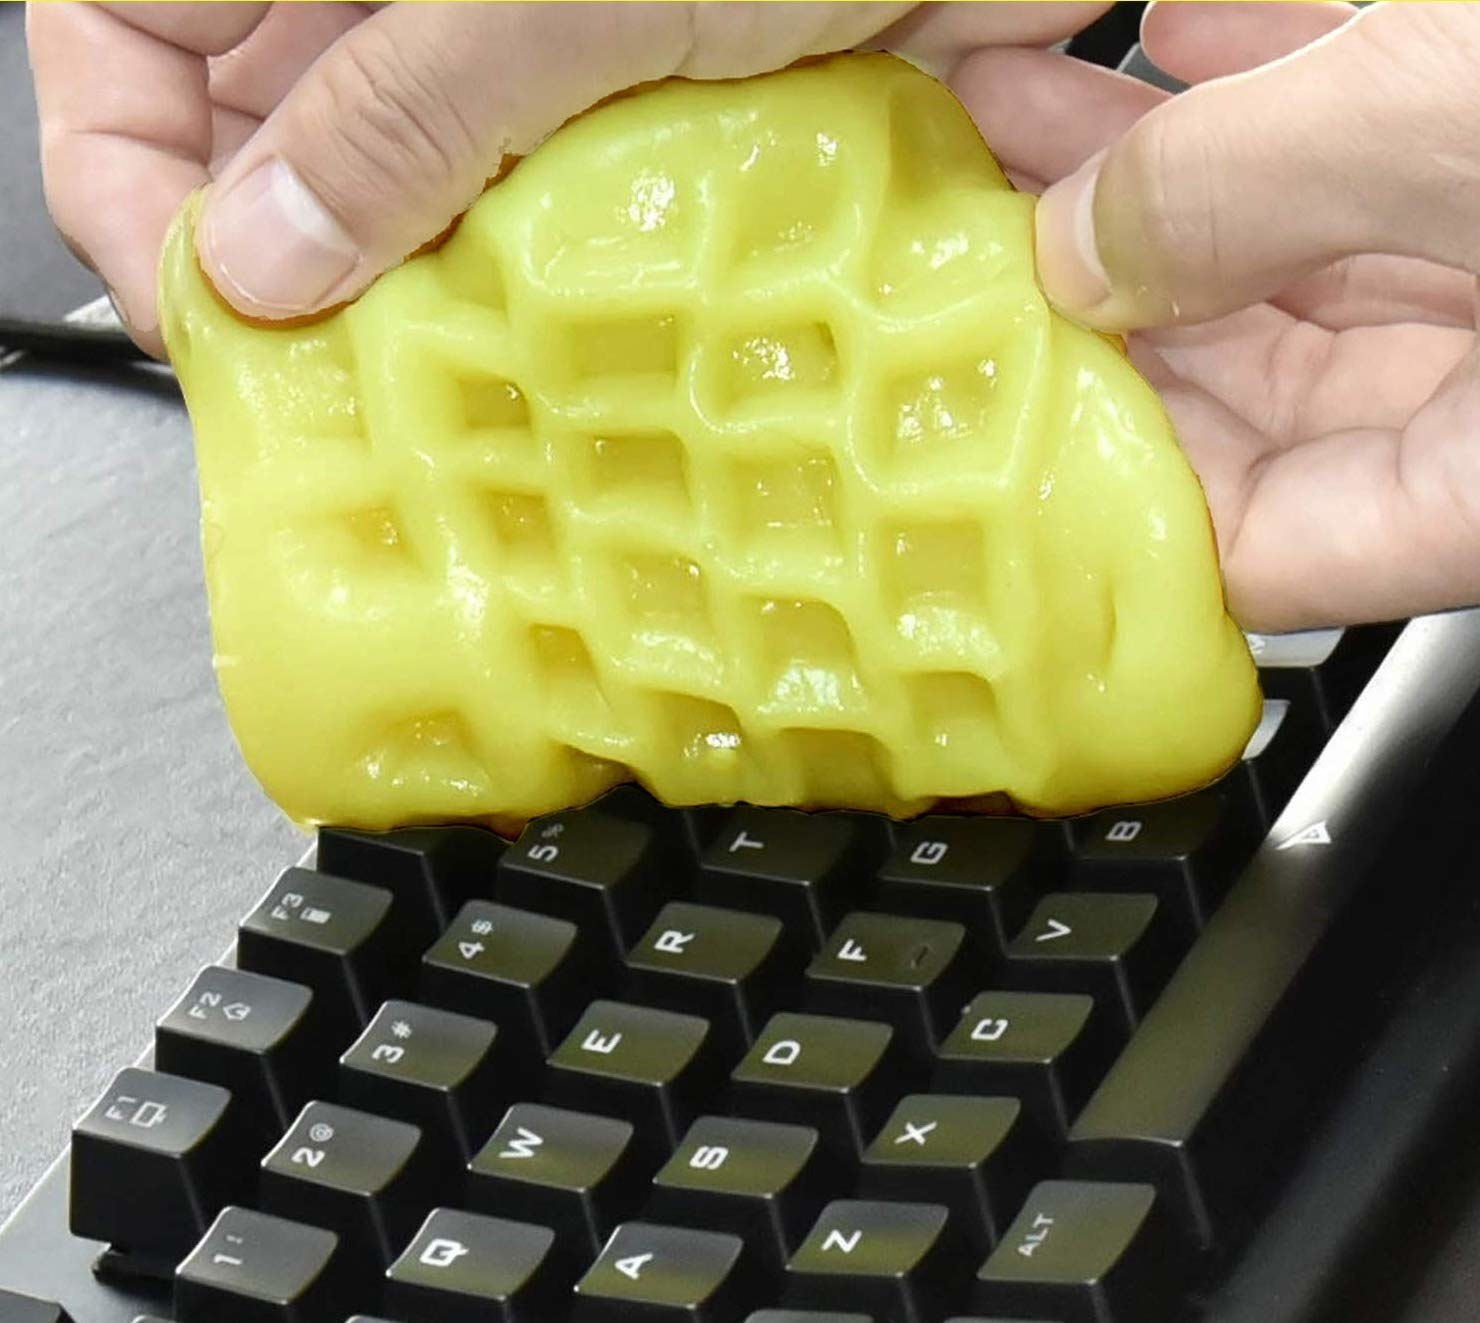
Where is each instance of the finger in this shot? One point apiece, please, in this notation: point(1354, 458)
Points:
point(397, 128)
point(1234, 189)
point(1371, 290)
point(125, 130)
point(255, 75)
point(936, 36)
point(1046, 113)
point(1195, 40)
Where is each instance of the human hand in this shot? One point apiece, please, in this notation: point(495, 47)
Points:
point(337, 139)
point(1299, 238)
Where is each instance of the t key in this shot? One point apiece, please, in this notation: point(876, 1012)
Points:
point(252, 1268)
point(806, 869)
point(660, 1273)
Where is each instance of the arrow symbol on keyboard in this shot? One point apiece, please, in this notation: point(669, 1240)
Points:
point(1316, 834)
point(470, 950)
point(1054, 931)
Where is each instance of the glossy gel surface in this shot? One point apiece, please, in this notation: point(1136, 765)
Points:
point(729, 446)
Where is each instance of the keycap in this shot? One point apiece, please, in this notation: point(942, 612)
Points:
point(1040, 1047)
point(433, 1068)
point(1322, 669)
point(153, 1160)
point(250, 1034)
point(523, 971)
point(975, 1156)
point(806, 869)
point(1118, 948)
point(839, 1076)
point(914, 973)
point(986, 873)
point(731, 967)
point(892, 1261)
point(253, 1268)
point(468, 1268)
point(758, 1180)
point(1084, 1253)
point(804, 1316)
point(430, 872)
point(578, 1173)
point(357, 1175)
point(329, 934)
point(683, 834)
point(654, 1067)
point(1184, 851)
point(1277, 757)
point(657, 1273)
point(17, 1308)
point(600, 872)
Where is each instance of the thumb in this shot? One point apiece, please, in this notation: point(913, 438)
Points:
point(398, 127)
point(1229, 191)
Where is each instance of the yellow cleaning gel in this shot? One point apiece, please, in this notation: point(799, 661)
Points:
point(728, 446)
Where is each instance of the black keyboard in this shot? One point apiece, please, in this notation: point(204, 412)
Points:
point(1158, 1064)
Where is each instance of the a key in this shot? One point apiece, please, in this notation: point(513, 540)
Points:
point(430, 872)
point(600, 872)
point(153, 1160)
point(653, 1066)
point(578, 1173)
point(983, 872)
point(914, 973)
point(468, 1268)
point(758, 1180)
point(17, 1308)
point(893, 1261)
point(523, 971)
point(363, 1177)
point(250, 1034)
point(683, 834)
point(329, 934)
point(1041, 1047)
point(805, 1316)
point(433, 1068)
point(973, 1155)
point(1116, 947)
point(1084, 1253)
point(1322, 670)
point(806, 869)
point(1277, 757)
point(839, 1076)
point(1184, 851)
point(731, 967)
point(253, 1268)
point(663, 1274)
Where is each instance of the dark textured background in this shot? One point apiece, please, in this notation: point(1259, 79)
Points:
point(131, 837)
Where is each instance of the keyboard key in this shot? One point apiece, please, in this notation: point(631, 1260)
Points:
point(1118, 948)
point(973, 1155)
point(153, 1161)
point(1038, 1046)
point(16, 1308)
point(252, 1268)
point(360, 1176)
point(893, 1261)
point(757, 1180)
point(654, 1067)
point(329, 934)
point(251, 1035)
point(467, 1268)
point(839, 1076)
point(983, 872)
point(1184, 851)
point(656, 1273)
point(435, 1069)
point(806, 869)
point(1322, 670)
point(804, 1316)
point(731, 967)
point(600, 872)
point(521, 970)
point(914, 973)
point(430, 872)
point(1084, 1253)
point(1278, 755)
point(577, 1173)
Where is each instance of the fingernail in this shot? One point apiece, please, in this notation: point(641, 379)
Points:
point(1069, 263)
point(276, 246)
